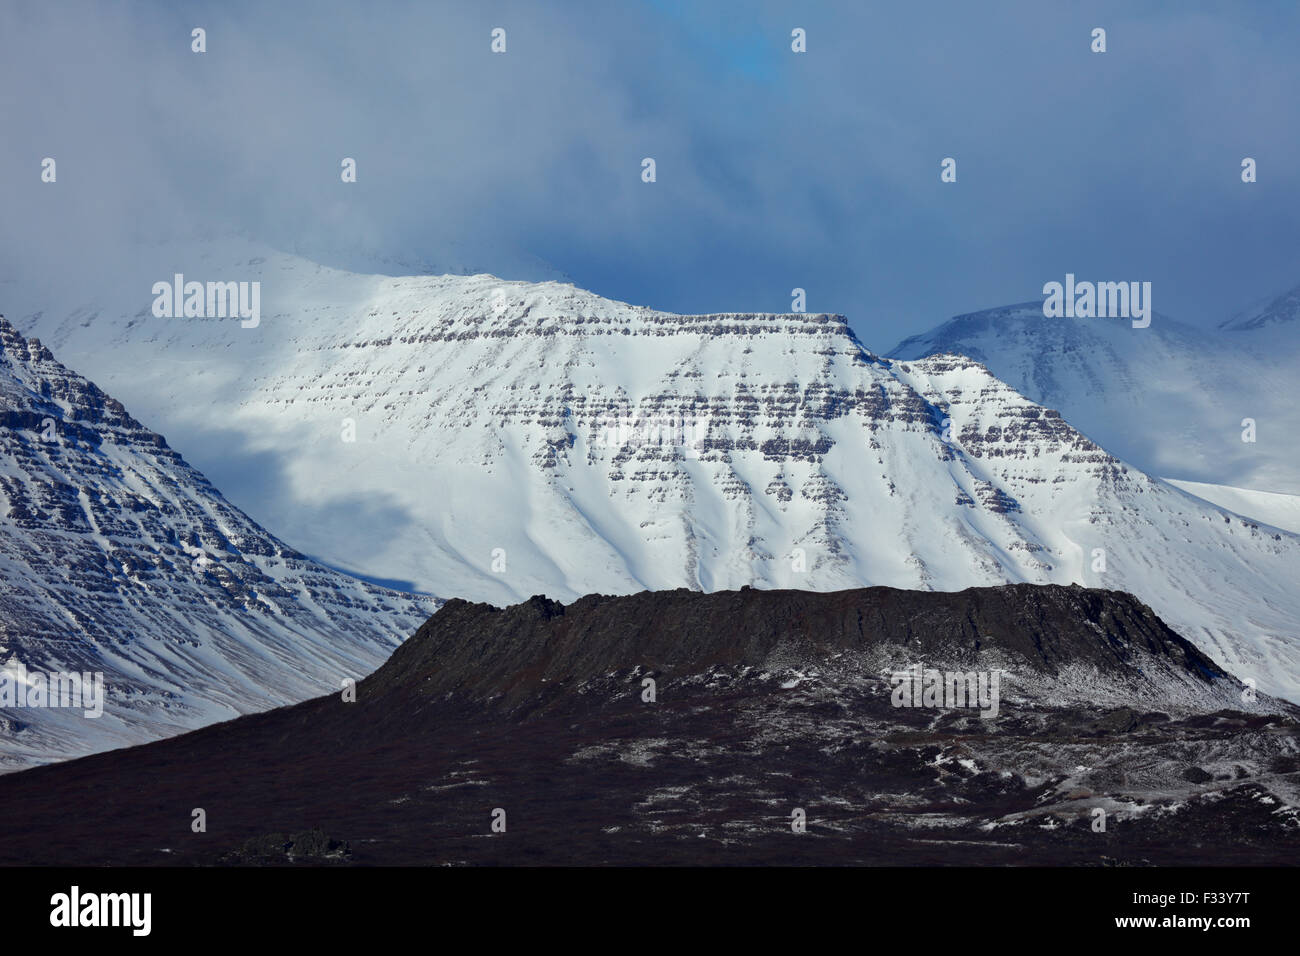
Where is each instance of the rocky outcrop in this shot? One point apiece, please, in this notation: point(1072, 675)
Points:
point(686, 728)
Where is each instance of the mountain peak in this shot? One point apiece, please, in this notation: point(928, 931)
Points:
point(13, 344)
point(1281, 310)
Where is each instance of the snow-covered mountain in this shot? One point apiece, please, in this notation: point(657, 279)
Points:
point(513, 439)
point(1169, 398)
point(1279, 312)
point(119, 558)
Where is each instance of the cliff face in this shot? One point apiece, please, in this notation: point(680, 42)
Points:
point(680, 727)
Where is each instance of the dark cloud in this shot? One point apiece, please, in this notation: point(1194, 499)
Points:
point(775, 170)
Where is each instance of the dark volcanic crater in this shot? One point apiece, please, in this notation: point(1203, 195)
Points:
point(765, 704)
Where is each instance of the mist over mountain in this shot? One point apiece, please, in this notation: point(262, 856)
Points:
point(1171, 398)
point(1278, 312)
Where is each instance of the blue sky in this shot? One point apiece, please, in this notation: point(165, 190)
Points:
point(775, 169)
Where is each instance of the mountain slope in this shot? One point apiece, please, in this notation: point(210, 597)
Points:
point(118, 557)
point(765, 704)
point(515, 438)
point(1280, 311)
point(1169, 398)
point(1281, 511)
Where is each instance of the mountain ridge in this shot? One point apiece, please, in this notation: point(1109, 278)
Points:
point(511, 438)
point(1280, 310)
point(120, 558)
